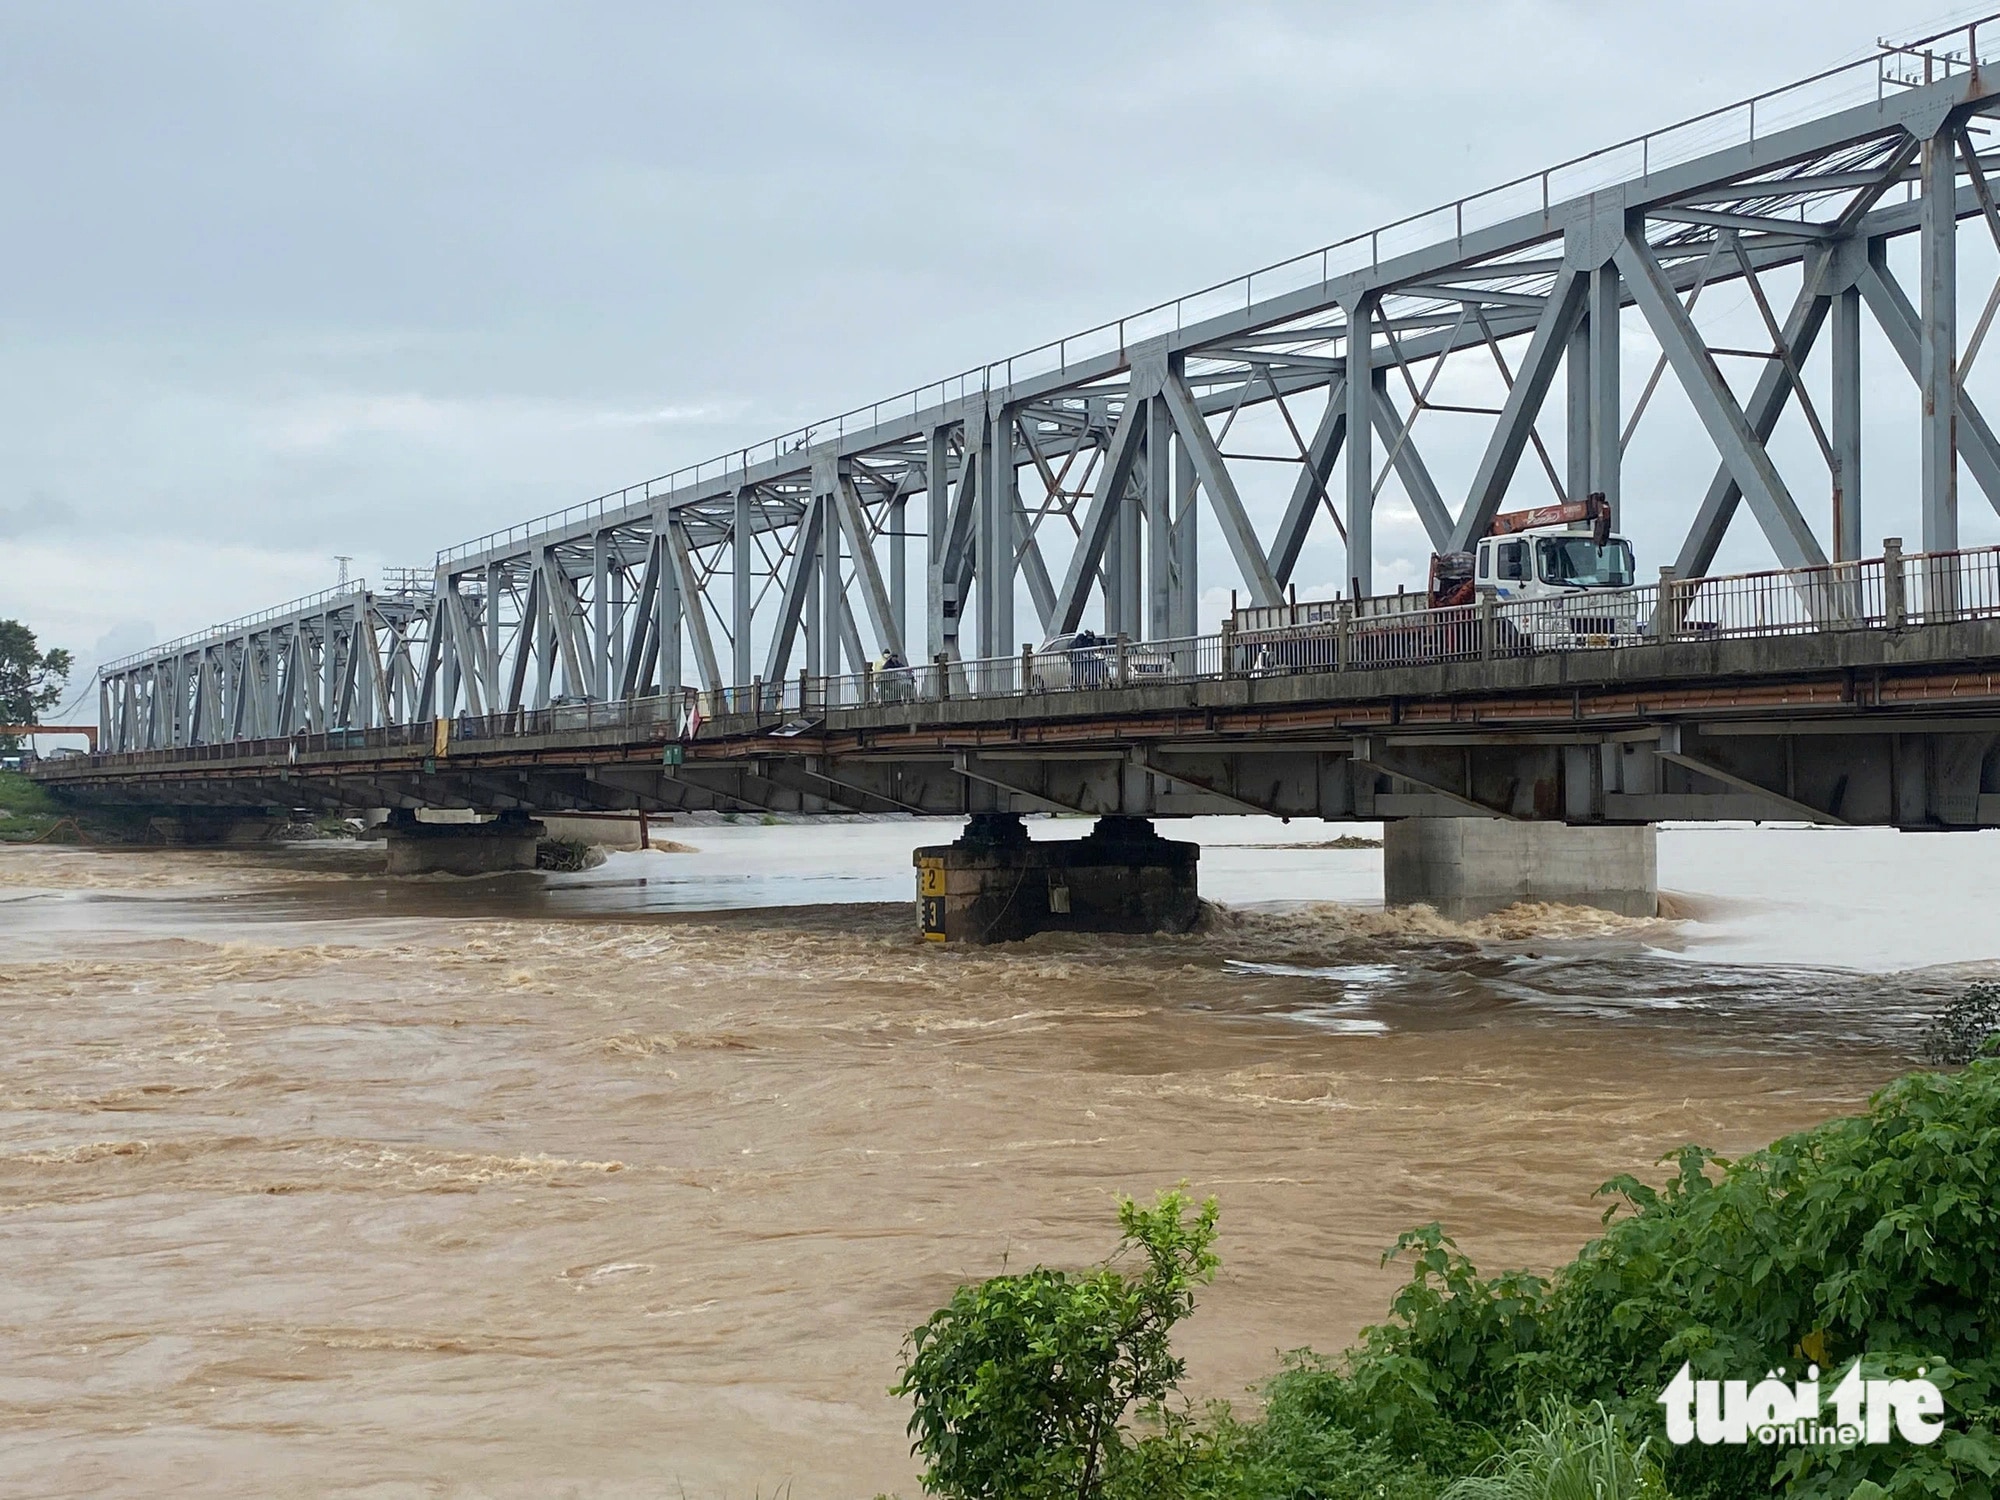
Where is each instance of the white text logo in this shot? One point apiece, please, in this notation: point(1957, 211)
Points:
point(1772, 1412)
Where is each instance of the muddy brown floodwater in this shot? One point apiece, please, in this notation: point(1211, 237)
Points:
point(314, 1182)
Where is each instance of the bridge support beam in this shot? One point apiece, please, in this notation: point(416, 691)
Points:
point(506, 843)
point(1468, 867)
point(995, 885)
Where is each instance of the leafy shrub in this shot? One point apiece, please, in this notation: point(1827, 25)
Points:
point(1020, 1383)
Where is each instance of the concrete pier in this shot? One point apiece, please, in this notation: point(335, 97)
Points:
point(995, 885)
point(424, 848)
point(1467, 867)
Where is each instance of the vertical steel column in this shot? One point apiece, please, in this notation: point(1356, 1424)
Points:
point(1112, 568)
point(1360, 444)
point(667, 605)
point(999, 498)
point(600, 609)
point(491, 622)
point(1577, 392)
point(809, 621)
point(937, 530)
point(1131, 554)
point(1938, 343)
point(326, 668)
point(831, 595)
point(1601, 319)
point(1845, 349)
point(1187, 544)
point(548, 602)
point(742, 586)
point(1161, 595)
point(899, 566)
point(616, 638)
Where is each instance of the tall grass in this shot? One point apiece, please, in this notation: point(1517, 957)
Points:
point(1569, 1455)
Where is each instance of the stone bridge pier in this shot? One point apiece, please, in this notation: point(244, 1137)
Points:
point(995, 885)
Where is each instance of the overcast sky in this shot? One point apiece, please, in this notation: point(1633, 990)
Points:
point(286, 282)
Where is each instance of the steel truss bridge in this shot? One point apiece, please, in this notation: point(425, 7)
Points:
point(1069, 484)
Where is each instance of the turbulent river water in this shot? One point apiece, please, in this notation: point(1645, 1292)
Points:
point(629, 1182)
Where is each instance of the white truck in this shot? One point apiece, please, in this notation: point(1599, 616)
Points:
point(1560, 577)
point(1556, 578)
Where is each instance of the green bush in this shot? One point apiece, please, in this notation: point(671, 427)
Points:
point(1020, 1383)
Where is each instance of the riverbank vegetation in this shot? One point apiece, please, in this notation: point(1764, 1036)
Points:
point(1869, 1238)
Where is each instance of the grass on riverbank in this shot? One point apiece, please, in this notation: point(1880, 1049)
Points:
point(30, 814)
point(26, 810)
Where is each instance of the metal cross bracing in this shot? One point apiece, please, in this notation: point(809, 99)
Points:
point(1074, 484)
point(347, 658)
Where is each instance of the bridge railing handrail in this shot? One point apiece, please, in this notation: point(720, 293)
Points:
point(1668, 145)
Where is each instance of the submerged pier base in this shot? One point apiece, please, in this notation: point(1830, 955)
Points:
point(507, 843)
point(1467, 867)
point(995, 885)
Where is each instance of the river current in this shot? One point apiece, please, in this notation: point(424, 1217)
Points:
point(630, 1182)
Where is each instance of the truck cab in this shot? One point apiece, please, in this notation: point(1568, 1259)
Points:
point(1560, 577)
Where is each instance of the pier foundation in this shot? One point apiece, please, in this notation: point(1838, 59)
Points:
point(996, 885)
point(1467, 867)
point(422, 848)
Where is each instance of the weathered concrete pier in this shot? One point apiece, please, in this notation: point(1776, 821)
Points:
point(1468, 867)
point(996, 885)
point(420, 848)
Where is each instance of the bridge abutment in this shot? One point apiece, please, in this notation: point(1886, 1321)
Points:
point(1467, 867)
point(420, 848)
point(996, 885)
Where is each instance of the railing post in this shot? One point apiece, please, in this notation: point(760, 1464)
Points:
point(868, 682)
point(1124, 646)
point(1483, 609)
point(1895, 595)
point(1228, 648)
point(803, 680)
point(1343, 635)
point(943, 663)
point(1666, 621)
point(757, 696)
point(1027, 664)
